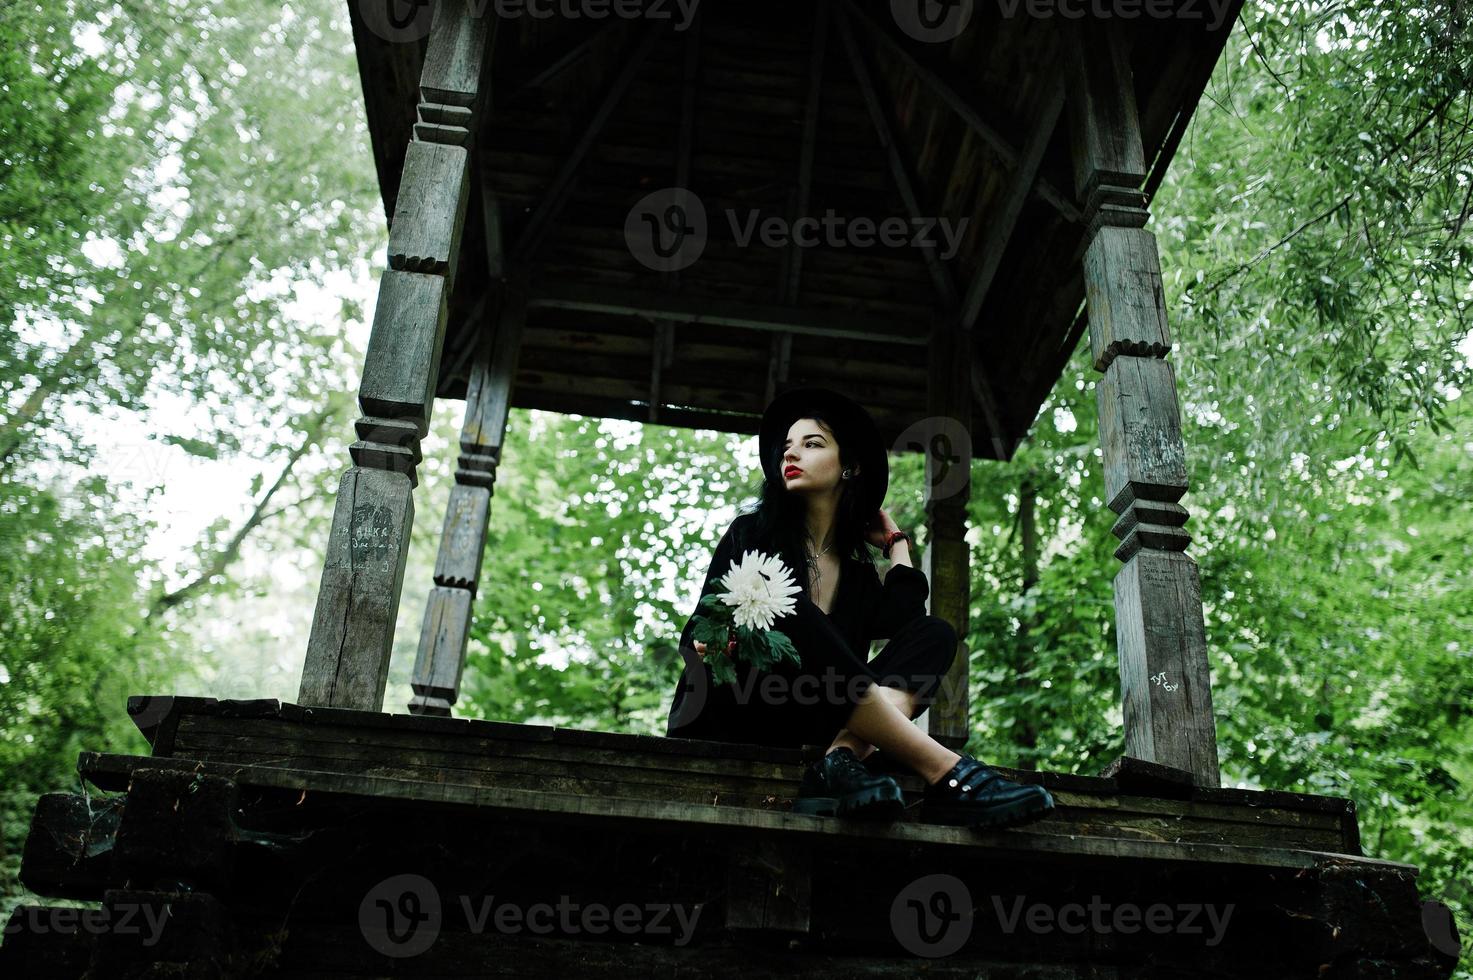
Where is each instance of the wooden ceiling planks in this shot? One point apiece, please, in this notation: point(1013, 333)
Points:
point(974, 125)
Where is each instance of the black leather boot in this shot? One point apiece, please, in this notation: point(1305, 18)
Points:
point(975, 794)
point(839, 785)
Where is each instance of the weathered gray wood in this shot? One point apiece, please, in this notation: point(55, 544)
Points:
point(1103, 122)
point(442, 639)
point(352, 635)
point(388, 444)
point(440, 661)
point(947, 558)
point(458, 563)
point(430, 212)
point(1164, 677)
point(404, 346)
point(458, 53)
point(1151, 524)
point(1127, 304)
point(1140, 430)
point(658, 816)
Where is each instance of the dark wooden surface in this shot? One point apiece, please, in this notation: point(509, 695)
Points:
point(575, 773)
point(765, 108)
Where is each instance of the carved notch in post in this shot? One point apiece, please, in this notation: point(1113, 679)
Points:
point(946, 562)
point(442, 639)
point(353, 625)
point(1164, 674)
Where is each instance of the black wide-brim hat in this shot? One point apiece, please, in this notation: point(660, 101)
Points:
point(853, 426)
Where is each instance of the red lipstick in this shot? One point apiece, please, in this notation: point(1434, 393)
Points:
point(791, 471)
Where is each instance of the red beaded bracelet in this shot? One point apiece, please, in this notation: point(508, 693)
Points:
point(890, 540)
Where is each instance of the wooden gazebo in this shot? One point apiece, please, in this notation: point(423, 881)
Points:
point(569, 199)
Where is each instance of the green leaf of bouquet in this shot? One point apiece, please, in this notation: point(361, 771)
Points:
point(783, 648)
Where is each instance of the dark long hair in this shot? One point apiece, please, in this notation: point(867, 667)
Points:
point(781, 524)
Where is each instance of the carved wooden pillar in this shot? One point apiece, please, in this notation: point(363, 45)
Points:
point(948, 488)
point(447, 622)
point(353, 626)
point(1164, 676)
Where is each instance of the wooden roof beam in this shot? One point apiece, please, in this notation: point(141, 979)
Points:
point(569, 57)
point(662, 349)
point(1000, 229)
point(659, 305)
point(989, 134)
point(940, 274)
point(562, 184)
point(793, 264)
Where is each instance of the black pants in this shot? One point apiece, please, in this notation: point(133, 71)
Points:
point(808, 705)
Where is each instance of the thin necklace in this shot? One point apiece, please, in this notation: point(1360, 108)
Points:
point(815, 573)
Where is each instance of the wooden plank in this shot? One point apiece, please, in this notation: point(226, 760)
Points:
point(440, 659)
point(655, 816)
point(352, 636)
point(1078, 815)
point(351, 725)
point(458, 53)
point(1165, 680)
point(1103, 123)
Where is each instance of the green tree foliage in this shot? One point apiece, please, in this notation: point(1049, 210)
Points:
point(167, 195)
point(166, 191)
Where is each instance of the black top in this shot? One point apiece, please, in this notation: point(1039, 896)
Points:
point(865, 608)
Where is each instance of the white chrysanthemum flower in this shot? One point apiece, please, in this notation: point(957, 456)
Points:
point(761, 589)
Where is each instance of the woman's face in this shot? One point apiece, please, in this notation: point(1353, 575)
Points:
point(811, 458)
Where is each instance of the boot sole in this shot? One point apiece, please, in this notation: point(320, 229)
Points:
point(880, 802)
point(1015, 814)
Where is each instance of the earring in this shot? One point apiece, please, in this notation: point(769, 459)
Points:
point(848, 473)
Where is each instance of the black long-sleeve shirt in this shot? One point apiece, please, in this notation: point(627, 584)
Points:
point(865, 607)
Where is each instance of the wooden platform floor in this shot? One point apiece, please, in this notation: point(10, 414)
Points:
point(580, 776)
point(279, 838)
